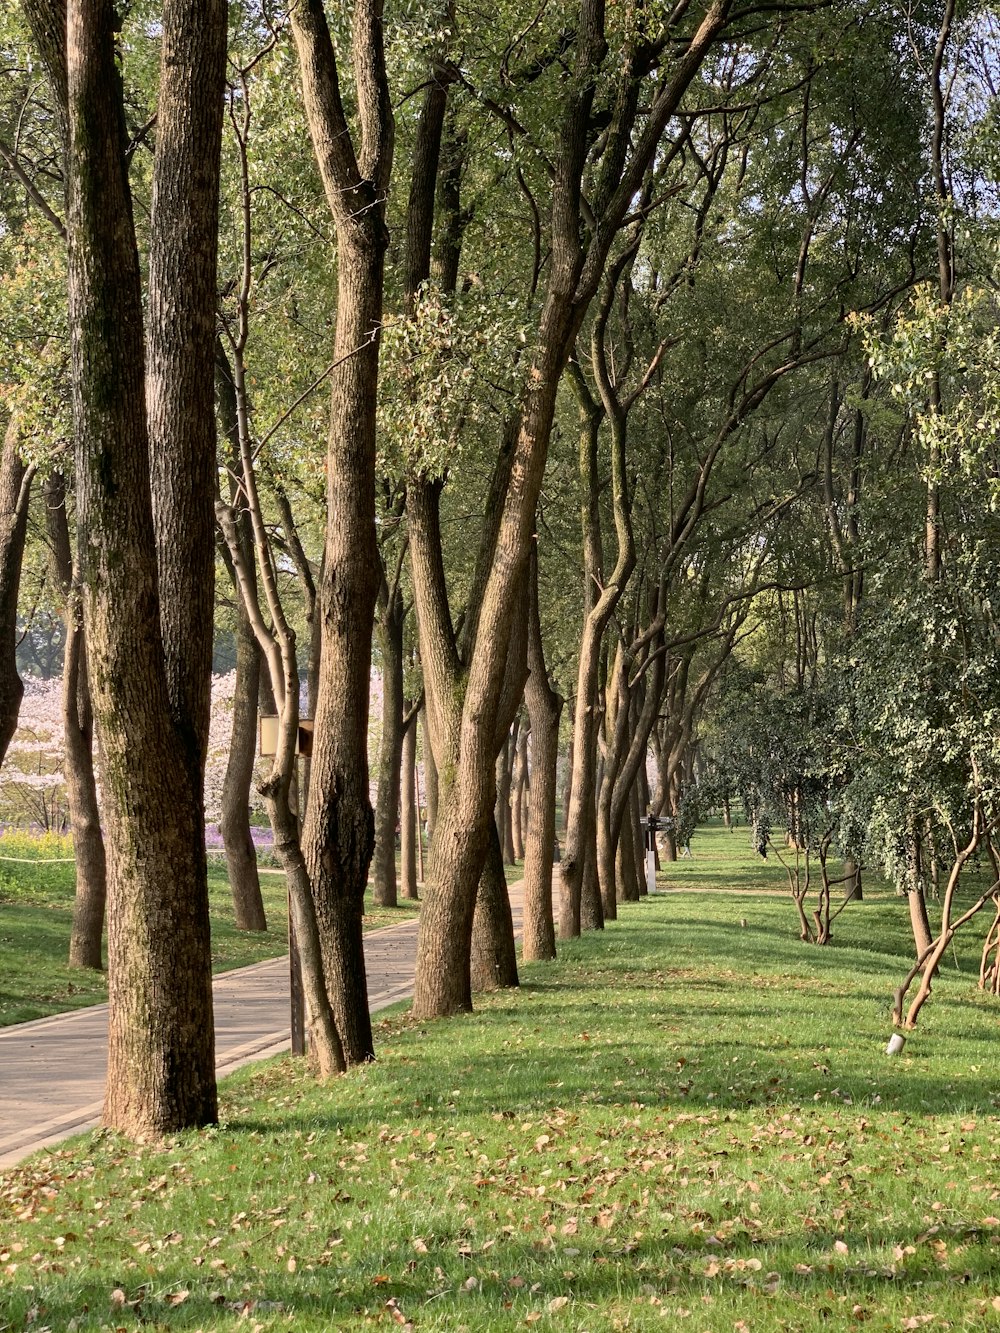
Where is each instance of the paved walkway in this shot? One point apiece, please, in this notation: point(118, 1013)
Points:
point(52, 1071)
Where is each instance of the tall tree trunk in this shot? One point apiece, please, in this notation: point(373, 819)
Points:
point(338, 837)
point(519, 796)
point(234, 823)
point(15, 489)
point(504, 778)
point(567, 795)
point(149, 668)
point(409, 829)
point(237, 839)
point(430, 775)
point(493, 961)
point(387, 807)
point(591, 905)
point(90, 898)
point(544, 706)
point(916, 901)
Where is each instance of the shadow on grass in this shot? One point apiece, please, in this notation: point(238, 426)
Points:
point(500, 1286)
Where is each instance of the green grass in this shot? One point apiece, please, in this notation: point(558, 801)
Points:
point(36, 914)
point(684, 1123)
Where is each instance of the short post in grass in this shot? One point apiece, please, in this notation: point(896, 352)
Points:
point(297, 1004)
point(651, 824)
point(896, 1043)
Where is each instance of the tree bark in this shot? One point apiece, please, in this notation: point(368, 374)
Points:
point(430, 775)
point(544, 707)
point(338, 837)
point(409, 829)
point(387, 804)
point(234, 823)
point(493, 961)
point(15, 489)
point(90, 898)
point(518, 798)
point(145, 671)
point(237, 839)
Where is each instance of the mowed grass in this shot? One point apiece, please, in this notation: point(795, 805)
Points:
point(684, 1123)
point(36, 917)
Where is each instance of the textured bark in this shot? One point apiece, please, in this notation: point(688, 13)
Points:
point(493, 962)
point(237, 839)
point(387, 803)
point(180, 367)
point(916, 901)
point(519, 796)
point(598, 609)
point(544, 708)
point(408, 826)
point(234, 822)
point(591, 906)
point(338, 837)
point(430, 775)
point(161, 1074)
point(15, 487)
point(90, 897)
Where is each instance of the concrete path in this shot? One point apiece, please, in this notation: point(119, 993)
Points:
point(52, 1071)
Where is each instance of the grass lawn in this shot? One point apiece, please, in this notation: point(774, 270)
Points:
point(36, 914)
point(685, 1123)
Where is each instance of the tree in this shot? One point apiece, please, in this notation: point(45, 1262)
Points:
point(145, 528)
point(338, 835)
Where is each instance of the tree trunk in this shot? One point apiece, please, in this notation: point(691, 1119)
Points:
point(639, 829)
point(544, 706)
point(493, 962)
point(503, 781)
point(852, 880)
point(90, 898)
point(519, 797)
point(430, 776)
point(409, 829)
point(237, 839)
point(148, 674)
point(387, 806)
point(338, 837)
point(15, 489)
point(917, 903)
point(591, 906)
point(568, 782)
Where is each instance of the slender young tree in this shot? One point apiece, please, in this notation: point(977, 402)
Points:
point(90, 898)
point(338, 836)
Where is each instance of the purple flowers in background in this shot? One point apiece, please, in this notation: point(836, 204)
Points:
point(262, 837)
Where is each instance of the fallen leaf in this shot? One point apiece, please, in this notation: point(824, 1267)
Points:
point(558, 1303)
